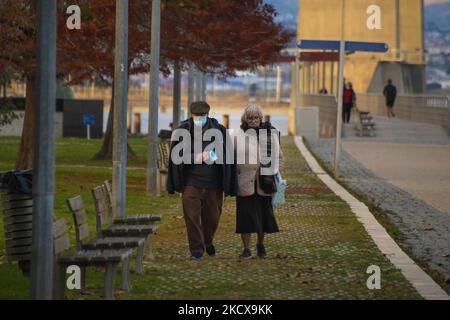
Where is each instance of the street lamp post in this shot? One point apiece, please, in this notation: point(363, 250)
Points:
point(338, 146)
point(44, 161)
point(152, 167)
point(120, 112)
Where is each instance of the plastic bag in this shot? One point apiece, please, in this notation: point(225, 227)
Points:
point(279, 198)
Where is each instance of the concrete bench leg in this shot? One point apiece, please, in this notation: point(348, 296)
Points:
point(59, 283)
point(111, 268)
point(83, 279)
point(139, 259)
point(126, 286)
point(149, 250)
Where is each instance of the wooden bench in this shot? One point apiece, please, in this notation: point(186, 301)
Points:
point(107, 227)
point(17, 223)
point(365, 126)
point(77, 207)
point(129, 219)
point(109, 259)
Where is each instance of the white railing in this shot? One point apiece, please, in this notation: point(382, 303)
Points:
point(438, 102)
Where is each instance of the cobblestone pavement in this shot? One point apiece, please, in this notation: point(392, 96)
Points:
point(321, 252)
point(427, 230)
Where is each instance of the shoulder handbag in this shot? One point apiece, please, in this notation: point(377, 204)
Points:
point(267, 183)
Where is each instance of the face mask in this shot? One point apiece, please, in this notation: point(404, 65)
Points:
point(200, 121)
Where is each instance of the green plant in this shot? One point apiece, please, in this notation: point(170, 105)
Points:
point(7, 114)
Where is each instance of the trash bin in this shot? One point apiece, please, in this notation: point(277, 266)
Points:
point(17, 182)
point(17, 206)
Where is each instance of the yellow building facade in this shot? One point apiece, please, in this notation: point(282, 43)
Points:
point(400, 25)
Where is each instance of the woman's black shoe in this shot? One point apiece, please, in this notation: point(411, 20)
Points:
point(246, 254)
point(261, 250)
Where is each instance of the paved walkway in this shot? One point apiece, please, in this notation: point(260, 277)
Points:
point(405, 170)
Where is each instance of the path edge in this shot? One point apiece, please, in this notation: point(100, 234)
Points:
point(419, 279)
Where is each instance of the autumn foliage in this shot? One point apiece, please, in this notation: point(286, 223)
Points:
point(218, 36)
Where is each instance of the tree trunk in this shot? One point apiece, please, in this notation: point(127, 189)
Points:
point(106, 151)
point(25, 156)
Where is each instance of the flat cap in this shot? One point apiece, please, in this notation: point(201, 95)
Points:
point(200, 107)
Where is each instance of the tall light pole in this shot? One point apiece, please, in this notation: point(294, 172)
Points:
point(120, 106)
point(297, 79)
point(152, 166)
point(397, 29)
point(44, 161)
point(337, 154)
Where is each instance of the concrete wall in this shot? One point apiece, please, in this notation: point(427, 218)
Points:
point(16, 127)
point(418, 108)
point(327, 112)
point(426, 109)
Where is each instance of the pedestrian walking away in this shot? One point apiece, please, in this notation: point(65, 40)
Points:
point(390, 92)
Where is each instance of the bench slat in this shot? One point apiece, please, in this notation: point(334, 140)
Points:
point(16, 197)
point(80, 216)
point(18, 211)
point(114, 242)
point(62, 243)
point(18, 234)
point(59, 228)
point(83, 231)
point(19, 257)
point(18, 227)
point(18, 250)
point(138, 219)
point(76, 203)
point(18, 242)
point(17, 204)
point(17, 219)
point(100, 256)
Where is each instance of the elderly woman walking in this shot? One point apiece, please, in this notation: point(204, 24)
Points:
point(254, 210)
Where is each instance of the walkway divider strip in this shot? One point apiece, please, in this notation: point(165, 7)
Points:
point(421, 281)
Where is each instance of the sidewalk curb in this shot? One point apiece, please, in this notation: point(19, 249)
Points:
point(421, 281)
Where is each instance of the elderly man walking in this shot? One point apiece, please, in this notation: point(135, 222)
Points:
point(203, 177)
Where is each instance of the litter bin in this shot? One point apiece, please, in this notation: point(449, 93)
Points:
point(17, 203)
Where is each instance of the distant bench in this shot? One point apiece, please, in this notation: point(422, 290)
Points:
point(365, 126)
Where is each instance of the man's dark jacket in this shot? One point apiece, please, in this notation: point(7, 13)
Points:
point(176, 174)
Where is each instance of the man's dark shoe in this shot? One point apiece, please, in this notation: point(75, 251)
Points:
point(246, 254)
point(261, 250)
point(196, 256)
point(211, 251)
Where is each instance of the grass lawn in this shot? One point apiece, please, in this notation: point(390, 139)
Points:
point(322, 251)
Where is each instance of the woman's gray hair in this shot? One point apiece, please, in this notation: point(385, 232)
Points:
point(252, 108)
